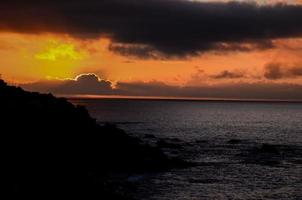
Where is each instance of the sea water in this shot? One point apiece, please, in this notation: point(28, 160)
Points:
point(219, 136)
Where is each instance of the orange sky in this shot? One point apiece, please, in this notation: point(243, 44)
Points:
point(28, 58)
point(131, 53)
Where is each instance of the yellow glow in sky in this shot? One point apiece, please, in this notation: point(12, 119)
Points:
point(29, 58)
point(56, 50)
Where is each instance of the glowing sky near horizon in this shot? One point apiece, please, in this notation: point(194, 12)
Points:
point(31, 57)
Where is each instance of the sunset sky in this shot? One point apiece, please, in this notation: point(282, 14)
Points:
point(171, 48)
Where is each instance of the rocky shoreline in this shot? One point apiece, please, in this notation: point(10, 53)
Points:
point(54, 148)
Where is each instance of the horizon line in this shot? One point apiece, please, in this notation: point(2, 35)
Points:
point(168, 98)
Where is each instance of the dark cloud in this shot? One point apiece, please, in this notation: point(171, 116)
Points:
point(91, 84)
point(139, 51)
point(167, 27)
point(296, 71)
point(228, 75)
point(83, 84)
point(275, 71)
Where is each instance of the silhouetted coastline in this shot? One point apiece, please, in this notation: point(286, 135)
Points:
point(55, 149)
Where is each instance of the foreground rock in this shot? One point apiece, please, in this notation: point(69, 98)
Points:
point(55, 149)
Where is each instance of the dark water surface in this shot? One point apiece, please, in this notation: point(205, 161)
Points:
point(225, 138)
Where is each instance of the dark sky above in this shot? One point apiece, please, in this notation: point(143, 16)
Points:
point(167, 27)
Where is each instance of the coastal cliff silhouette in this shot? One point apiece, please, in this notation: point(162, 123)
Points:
point(53, 149)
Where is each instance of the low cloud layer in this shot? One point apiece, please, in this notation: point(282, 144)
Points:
point(228, 75)
point(83, 84)
point(91, 84)
point(157, 28)
point(276, 71)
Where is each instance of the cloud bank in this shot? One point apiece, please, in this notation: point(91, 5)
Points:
point(90, 84)
point(276, 71)
point(82, 84)
point(226, 74)
point(157, 28)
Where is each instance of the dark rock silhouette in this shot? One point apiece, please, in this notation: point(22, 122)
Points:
point(55, 149)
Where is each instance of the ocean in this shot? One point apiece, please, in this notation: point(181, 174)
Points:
point(244, 150)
